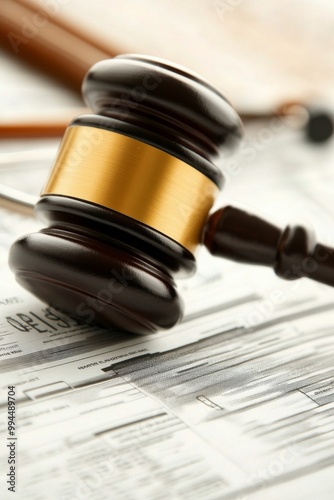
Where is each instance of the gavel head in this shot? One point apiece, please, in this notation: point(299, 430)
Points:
point(127, 200)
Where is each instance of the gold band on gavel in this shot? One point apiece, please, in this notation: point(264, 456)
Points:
point(135, 179)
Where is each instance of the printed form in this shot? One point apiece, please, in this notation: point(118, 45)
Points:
point(236, 402)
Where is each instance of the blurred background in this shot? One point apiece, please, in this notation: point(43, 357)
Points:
point(258, 54)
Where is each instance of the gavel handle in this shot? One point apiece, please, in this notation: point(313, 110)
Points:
point(293, 253)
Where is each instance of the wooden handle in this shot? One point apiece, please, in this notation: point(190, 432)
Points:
point(40, 36)
point(292, 253)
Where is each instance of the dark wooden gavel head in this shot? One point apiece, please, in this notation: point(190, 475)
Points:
point(128, 200)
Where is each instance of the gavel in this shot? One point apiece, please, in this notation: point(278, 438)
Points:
point(128, 201)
